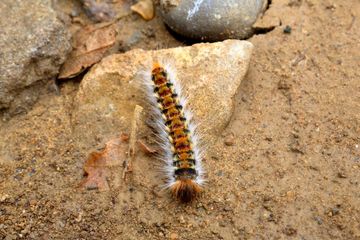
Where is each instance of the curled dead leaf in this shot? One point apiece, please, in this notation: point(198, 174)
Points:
point(145, 8)
point(97, 165)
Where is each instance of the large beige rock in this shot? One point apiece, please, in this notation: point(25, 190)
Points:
point(209, 72)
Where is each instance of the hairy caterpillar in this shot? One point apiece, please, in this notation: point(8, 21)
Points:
point(177, 134)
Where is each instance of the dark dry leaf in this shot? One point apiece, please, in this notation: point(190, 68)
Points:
point(89, 46)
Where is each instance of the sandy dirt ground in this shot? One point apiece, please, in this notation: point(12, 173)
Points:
point(287, 166)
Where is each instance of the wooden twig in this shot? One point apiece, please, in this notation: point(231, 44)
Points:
point(132, 141)
point(352, 21)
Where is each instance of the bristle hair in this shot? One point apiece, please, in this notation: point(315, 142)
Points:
point(185, 190)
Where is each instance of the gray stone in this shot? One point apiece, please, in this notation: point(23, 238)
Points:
point(33, 45)
point(212, 20)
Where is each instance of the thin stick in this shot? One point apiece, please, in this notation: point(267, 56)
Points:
point(132, 141)
point(352, 20)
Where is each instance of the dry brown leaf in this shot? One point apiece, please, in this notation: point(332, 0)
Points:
point(77, 64)
point(93, 37)
point(97, 165)
point(145, 8)
point(89, 46)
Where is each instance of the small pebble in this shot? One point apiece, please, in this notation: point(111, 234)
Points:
point(289, 231)
point(287, 29)
point(271, 217)
point(341, 175)
point(229, 140)
point(74, 13)
point(181, 220)
point(174, 236)
point(334, 211)
point(227, 209)
point(269, 139)
point(318, 220)
point(222, 223)
point(4, 197)
point(32, 202)
point(220, 173)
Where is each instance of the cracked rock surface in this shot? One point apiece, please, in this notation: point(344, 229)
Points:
point(30, 53)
